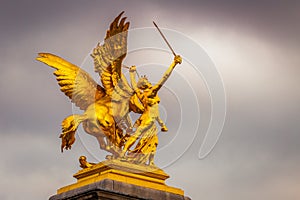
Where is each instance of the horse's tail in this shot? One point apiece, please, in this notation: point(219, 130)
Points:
point(69, 127)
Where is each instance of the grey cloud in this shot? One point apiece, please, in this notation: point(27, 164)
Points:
point(274, 21)
point(257, 156)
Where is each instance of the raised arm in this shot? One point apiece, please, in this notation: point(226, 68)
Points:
point(133, 81)
point(177, 60)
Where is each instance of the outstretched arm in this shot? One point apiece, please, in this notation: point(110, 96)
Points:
point(177, 60)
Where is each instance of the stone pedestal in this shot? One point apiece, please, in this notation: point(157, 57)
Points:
point(117, 180)
point(115, 190)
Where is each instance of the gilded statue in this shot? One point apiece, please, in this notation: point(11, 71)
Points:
point(106, 107)
point(145, 124)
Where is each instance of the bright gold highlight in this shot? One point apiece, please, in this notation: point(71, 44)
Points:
point(107, 107)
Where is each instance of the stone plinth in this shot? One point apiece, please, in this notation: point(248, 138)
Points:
point(114, 179)
point(115, 190)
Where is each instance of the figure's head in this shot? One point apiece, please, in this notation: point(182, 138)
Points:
point(143, 83)
point(82, 158)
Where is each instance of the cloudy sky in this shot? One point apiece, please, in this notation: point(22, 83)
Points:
point(254, 46)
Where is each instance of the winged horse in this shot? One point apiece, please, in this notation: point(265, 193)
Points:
point(106, 108)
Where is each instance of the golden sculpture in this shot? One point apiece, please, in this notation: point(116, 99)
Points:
point(145, 124)
point(84, 163)
point(107, 107)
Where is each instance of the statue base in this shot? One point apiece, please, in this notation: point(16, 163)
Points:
point(114, 179)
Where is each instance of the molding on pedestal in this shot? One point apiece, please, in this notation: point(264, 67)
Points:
point(115, 190)
point(150, 177)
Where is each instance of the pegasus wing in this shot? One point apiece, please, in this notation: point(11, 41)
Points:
point(73, 81)
point(108, 59)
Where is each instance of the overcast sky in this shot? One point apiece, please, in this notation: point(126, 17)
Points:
point(254, 45)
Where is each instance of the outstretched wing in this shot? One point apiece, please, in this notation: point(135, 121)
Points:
point(108, 59)
point(73, 81)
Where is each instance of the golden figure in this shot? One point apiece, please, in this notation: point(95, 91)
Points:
point(106, 108)
point(145, 124)
point(84, 163)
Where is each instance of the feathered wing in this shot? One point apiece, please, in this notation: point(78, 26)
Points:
point(74, 81)
point(108, 58)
